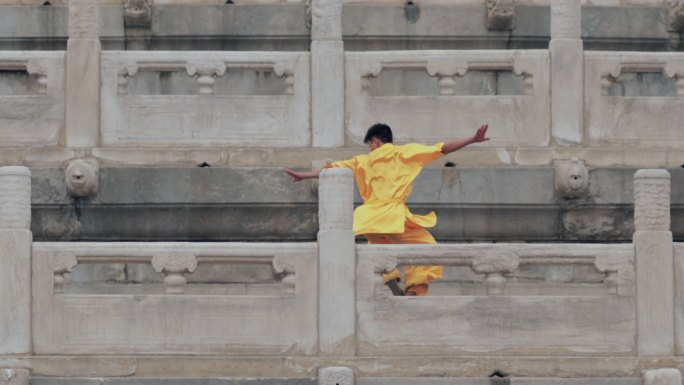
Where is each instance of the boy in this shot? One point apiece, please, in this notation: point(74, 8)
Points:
point(384, 178)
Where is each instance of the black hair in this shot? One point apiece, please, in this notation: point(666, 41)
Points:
point(380, 131)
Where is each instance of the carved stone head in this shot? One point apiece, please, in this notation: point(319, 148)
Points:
point(82, 177)
point(572, 178)
point(138, 13)
point(500, 15)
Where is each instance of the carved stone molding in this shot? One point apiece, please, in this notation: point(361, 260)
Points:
point(82, 177)
point(616, 270)
point(367, 71)
point(15, 198)
point(675, 15)
point(137, 13)
point(326, 20)
point(446, 70)
point(335, 376)
point(63, 263)
point(10, 376)
point(206, 71)
point(84, 19)
point(674, 69)
point(523, 66)
point(495, 266)
point(126, 70)
point(652, 200)
point(38, 68)
point(384, 265)
point(571, 178)
point(500, 15)
point(285, 265)
point(175, 266)
point(286, 68)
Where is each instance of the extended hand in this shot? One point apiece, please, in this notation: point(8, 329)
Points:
point(480, 135)
point(296, 176)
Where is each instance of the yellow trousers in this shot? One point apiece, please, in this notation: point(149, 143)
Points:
point(415, 275)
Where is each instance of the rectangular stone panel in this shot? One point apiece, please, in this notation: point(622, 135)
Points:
point(34, 120)
point(157, 323)
point(652, 121)
point(517, 119)
point(203, 118)
point(563, 323)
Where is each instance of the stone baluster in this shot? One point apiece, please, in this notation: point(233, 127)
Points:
point(175, 266)
point(15, 260)
point(337, 263)
point(206, 73)
point(327, 74)
point(495, 267)
point(83, 74)
point(567, 72)
point(654, 263)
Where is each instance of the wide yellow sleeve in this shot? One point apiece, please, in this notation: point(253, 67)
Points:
point(421, 154)
point(351, 164)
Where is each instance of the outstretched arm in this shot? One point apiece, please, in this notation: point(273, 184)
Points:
point(480, 136)
point(299, 176)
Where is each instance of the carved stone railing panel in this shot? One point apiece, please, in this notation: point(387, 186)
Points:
point(632, 120)
point(171, 323)
point(497, 322)
point(34, 120)
point(446, 116)
point(205, 118)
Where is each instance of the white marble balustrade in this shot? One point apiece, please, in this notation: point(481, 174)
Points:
point(37, 118)
point(520, 120)
point(174, 322)
point(499, 322)
point(653, 121)
point(204, 118)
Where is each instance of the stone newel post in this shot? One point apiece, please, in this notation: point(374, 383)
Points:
point(567, 72)
point(83, 74)
point(654, 263)
point(327, 74)
point(337, 263)
point(15, 260)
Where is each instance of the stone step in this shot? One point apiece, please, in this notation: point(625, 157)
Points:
point(171, 381)
point(313, 381)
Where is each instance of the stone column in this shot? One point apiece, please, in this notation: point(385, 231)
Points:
point(654, 263)
point(15, 260)
point(83, 74)
point(337, 264)
point(327, 74)
point(567, 72)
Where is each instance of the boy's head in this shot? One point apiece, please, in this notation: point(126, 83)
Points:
point(377, 135)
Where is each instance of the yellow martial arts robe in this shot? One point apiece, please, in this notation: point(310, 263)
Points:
point(384, 178)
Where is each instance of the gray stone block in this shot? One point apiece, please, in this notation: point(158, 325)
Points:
point(230, 20)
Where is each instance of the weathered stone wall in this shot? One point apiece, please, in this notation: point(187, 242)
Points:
point(614, 25)
point(262, 204)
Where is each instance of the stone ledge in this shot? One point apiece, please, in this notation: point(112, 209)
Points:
point(297, 367)
point(482, 157)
